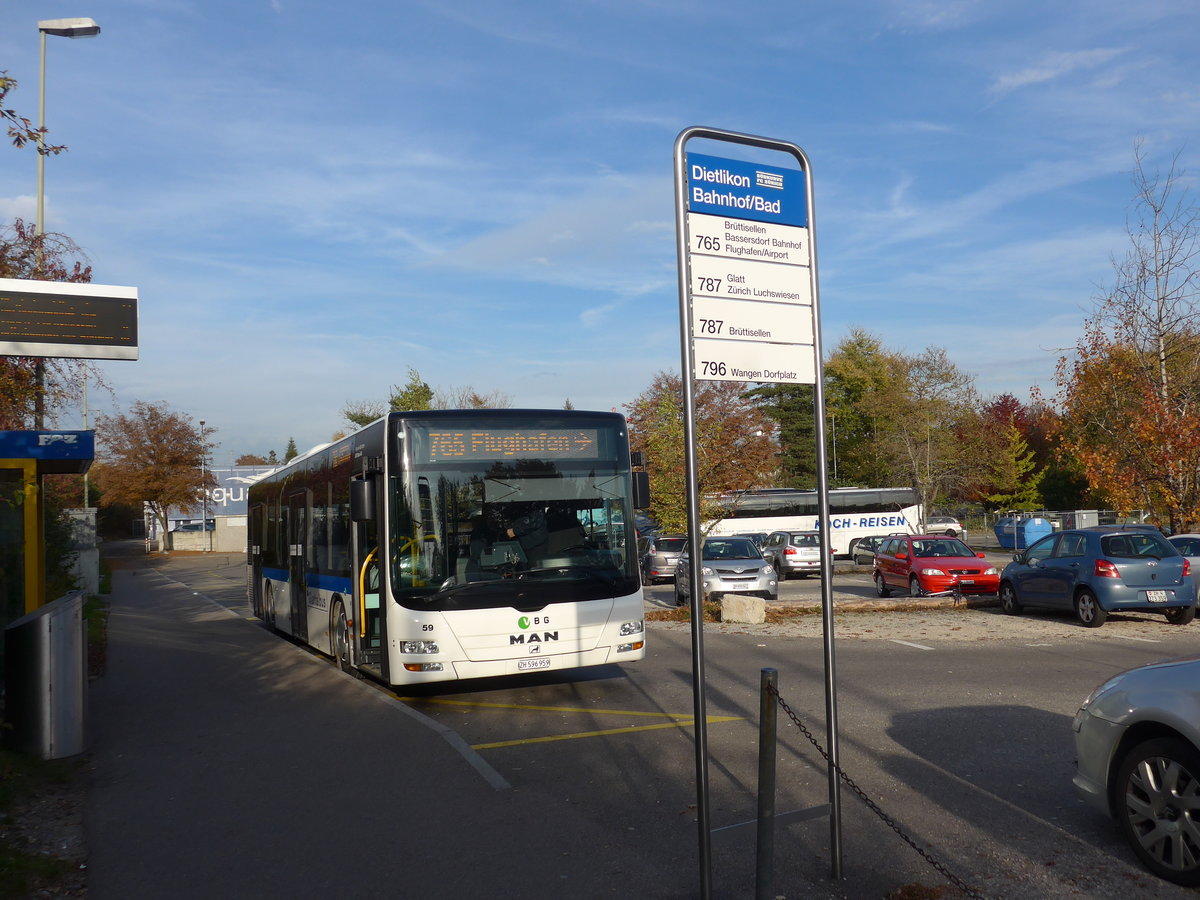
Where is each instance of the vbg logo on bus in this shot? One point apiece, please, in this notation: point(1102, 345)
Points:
point(533, 638)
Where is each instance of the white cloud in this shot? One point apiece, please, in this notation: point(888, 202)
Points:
point(1054, 66)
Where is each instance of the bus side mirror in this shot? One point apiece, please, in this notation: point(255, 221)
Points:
point(641, 490)
point(362, 500)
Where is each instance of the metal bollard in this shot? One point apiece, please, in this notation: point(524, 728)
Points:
point(764, 876)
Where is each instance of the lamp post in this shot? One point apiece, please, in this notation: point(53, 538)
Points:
point(69, 28)
point(204, 485)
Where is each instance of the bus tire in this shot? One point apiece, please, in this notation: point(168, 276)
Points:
point(268, 612)
point(339, 636)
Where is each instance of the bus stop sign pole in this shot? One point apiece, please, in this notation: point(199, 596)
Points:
point(749, 311)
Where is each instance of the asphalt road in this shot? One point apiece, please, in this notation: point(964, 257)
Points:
point(956, 722)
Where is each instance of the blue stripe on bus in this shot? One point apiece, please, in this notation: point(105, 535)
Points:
point(338, 584)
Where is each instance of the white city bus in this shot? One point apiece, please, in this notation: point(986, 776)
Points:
point(439, 545)
point(854, 513)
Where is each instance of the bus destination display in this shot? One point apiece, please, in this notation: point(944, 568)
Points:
point(512, 443)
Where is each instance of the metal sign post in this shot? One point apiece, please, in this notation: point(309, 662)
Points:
point(749, 310)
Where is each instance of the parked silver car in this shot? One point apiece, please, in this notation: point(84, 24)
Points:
point(947, 525)
point(794, 553)
point(1137, 745)
point(731, 565)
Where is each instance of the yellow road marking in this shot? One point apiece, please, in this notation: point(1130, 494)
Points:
point(677, 720)
point(587, 734)
point(566, 709)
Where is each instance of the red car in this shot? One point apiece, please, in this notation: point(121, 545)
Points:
point(923, 564)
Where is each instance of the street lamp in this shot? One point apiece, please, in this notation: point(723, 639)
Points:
point(204, 485)
point(69, 28)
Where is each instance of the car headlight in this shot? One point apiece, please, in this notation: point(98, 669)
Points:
point(932, 572)
point(992, 571)
point(705, 570)
point(767, 570)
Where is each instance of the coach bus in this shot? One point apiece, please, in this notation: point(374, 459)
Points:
point(439, 545)
point(854, 513)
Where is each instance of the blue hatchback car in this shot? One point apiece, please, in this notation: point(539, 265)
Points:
point(1096, 571)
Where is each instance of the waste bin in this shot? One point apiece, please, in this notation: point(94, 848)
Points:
point(45, 680)
point(1018, 532)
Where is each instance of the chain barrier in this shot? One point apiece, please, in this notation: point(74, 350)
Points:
point(873, 806)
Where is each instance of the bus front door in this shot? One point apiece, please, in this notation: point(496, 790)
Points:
point(368, 562)
point(299, 539)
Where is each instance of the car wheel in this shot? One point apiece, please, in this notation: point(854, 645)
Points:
point(881, 587)
point(680, 598)
point(1156, 793)
point(1008, 600)
point(1088, 611)
point(951, 533)
point(914, 588)
point(1180, 615)
point(340, 636)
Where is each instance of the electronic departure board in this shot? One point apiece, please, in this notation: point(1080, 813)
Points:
point(60, 319)
point(446, 445)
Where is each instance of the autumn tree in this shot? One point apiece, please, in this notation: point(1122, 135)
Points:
point(250, 459)
point(925, 423)
point(152, 455)
point(735, 445)
point(1130, 394)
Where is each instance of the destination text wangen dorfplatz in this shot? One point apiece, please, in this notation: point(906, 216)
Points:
point(749, 271)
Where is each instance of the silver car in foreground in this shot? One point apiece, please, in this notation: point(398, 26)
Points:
point(732, 565)
point(1137, 745)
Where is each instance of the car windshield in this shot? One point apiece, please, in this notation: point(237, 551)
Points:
point(941, 547)
point(1136, 544)
point(730, 548)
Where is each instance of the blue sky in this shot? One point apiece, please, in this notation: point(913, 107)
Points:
point(313, 197)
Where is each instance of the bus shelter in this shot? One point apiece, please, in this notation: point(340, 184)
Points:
point(25, 457)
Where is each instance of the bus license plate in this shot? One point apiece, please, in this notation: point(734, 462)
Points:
point(1157, 596)
point(543, 663)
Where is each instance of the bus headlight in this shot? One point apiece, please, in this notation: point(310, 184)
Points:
point(418, 647)
point(628, 628)
point(626, 648)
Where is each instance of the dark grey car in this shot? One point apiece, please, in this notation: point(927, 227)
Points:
point(659, 554)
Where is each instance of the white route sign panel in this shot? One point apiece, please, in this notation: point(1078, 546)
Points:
point(749, 272)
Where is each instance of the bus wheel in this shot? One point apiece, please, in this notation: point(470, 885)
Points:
point(340, 636)
point(268, 613)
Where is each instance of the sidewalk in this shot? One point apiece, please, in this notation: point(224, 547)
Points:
point(230, 762)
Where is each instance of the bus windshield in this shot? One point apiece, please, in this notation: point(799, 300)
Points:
point(516, 517)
